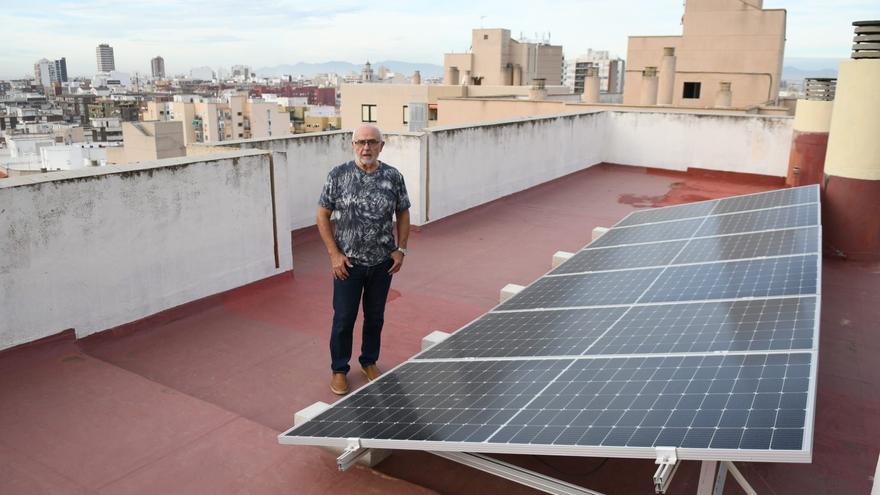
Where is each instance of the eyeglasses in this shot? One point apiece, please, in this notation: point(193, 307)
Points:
point(365, 142)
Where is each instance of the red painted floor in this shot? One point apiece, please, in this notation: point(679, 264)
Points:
point(190, 401)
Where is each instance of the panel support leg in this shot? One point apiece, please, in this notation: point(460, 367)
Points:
point(518, 474)
point(707, 477)
point(740, 478)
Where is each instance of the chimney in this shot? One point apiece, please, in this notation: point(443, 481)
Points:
point(538, 92)
point(724, 96)
point(667, 77)
point(466, 78)
point(417, 77)
point(591, 86)
point(649, 86)
point(850, 219)
point(809, 138)
point(451, 76)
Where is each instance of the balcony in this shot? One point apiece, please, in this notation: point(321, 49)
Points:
point(176, 312)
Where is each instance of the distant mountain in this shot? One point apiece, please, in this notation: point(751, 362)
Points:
point(342, 68)
point(798, 68)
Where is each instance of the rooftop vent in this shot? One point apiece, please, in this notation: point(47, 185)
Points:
point(867, 40)
point(820, 88)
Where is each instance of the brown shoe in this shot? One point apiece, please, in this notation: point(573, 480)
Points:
point(339, 384)
point(371, 371)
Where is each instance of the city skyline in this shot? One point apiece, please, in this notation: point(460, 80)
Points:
point(219, 34)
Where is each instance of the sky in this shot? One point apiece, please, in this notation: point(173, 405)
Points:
point(222, 33)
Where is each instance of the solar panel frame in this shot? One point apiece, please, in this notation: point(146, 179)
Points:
point(802, 455)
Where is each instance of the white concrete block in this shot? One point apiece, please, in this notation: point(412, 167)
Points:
point(310, 412)
point(509, 291)
point(559, 258)
point(433, 338)
point(599, 232)
point(370, 459)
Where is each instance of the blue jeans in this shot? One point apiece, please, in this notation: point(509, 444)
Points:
point(370, 283)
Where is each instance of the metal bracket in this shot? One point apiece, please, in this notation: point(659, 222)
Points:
point(667, 458)
point(353, 451)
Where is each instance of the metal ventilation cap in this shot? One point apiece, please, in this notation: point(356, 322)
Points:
point(820, 88)
point(866, 43)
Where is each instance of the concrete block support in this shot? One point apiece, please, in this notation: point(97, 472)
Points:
point(599, 232)
point(370, 459)
point(509, 291)
point(559, 258)
point(433, 338)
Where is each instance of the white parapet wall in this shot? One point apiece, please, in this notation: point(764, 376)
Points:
point(97, 248)
point(469, 166)
point(753, 144)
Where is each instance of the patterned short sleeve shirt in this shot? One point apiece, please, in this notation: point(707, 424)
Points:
point(364, 205)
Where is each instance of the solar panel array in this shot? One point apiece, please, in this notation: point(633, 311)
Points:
point(691, 326)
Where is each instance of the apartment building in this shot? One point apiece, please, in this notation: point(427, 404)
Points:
point(211, 120)
point(106, 62)
point(729, 54)
point(611, 71)
point(499, 60)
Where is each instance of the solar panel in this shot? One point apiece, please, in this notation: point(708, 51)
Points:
point(666, 231)
point(744, 403)
point(754, 221)
point(795, 275)
point(679, 212)
point(528, 333)
point(635, 256)
point(783, 197)
point(752, 325)
point(757, 245)
point(694, 327)
point(591, 289)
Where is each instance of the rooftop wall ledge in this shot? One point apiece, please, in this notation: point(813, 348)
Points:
point(95, 249)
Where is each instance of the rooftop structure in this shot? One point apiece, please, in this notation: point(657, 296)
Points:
point(496, 59)
point(729, 54)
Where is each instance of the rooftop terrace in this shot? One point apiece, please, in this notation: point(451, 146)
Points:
point(218, 318)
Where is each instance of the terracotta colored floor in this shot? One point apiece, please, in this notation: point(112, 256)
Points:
point(191, 400)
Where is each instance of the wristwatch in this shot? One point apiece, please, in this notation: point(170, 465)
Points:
point(402, 250)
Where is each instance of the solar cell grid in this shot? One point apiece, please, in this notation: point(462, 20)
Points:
point(678, 212)
point(591, 289)
point(754, 402)
point(640, 255)
point(795, 275)
point(533, 333)
point(762, 244)
point(755, 325)
point(667, 231)
point(782, 197)
point(693, 402)
point(753, 221)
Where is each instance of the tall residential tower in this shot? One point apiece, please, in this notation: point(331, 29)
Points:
point(157, 64)
point(106, 62)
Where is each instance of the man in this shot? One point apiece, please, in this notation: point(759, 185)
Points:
point(364, 194)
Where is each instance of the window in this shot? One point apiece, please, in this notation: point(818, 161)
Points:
point(368, 113)
point(691, 90)
point(432, 112)
point(406, 114)
point(485, 36)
